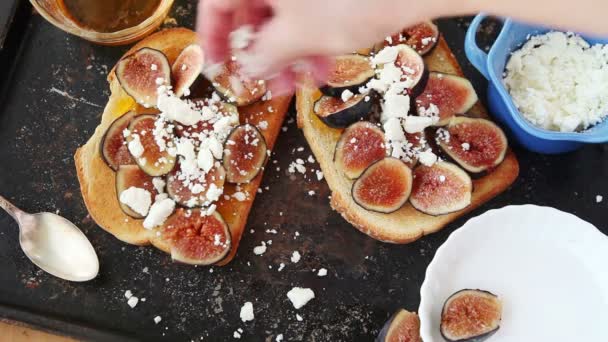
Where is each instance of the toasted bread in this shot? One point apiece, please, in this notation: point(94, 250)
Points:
point(97, 180)
point(407, 224)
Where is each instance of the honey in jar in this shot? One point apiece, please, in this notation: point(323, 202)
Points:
point(109, 15)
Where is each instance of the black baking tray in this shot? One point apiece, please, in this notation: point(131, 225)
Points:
point(53, 92)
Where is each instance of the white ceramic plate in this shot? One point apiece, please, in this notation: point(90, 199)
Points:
point(550, 269)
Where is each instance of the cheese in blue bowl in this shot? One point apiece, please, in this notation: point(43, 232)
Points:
point(549, 89)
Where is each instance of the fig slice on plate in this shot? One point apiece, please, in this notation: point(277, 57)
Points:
point(114, 148)
point(129, 176)
point(422, 37)
point(196, 239)
point(195, 191)
point(360, 145)
point(245, 153)
point(230, 82)
point(336, 113)
point(141, 73)
point(441, 189)
point(186, 68)
point(148, 155)
point(403, 326)
point(470, 315)
point(450, 95)
point(384, 187)
point(349, 72)
point(413, 68)
point(475, 144)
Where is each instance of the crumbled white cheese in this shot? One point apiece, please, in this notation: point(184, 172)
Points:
point(239, 196)
point(259, 250)
point(417, 124)
point(159, 184)
point(176, 109)
point(295, 257)
point(299, 318)
point(311, 193)
point(153, 67)
point(300, 296)
point(263, 125)
point(128, 294)
point(157, 319)
point(135, 146)
point(347, 95)
point(138, 199)
point(442, 178)
point(236, 335)
point(319, 174)
point(427, 158)
point(205, 159)
point(281, 267)
point(599, 198)
point(393, 130)
point(159, 212)
point(322, 272)
point(559, 82)
point(279, 338)
point(132, 302)
point(396, 104)
point(465, 146)
point(247, 312)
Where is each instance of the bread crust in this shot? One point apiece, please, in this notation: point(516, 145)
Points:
point(97, 180)
point(407, 224)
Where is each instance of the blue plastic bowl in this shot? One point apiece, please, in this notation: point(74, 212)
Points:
point(492, 66)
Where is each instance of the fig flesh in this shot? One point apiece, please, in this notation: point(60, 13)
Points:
point(470, 315)
point(152, 160)
point(245, 153)
point(360, 145)
point(384, 186)
point(403, 326)
point(230, 82)
point(141, 73)
point(450, 95)
point(196, 239)
point(114, 148)
point(441, 189)
point(349, 72)
point(475, 144)
point(422, 37)
point(195, 191)
point(186, 68)
point(336, 113)
point(129, 176)
point(413, 67)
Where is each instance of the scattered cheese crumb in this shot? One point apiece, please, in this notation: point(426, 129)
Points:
point(279, 338)
point(322, 272)
point(347, 95)
point(300, 296)
point(138, 199)
point(247, 312)
point(295, 257)
point(259, 250)
point(311, 193)
point(128, 294)
point(281, 267)
point(466, 146)
point(299, 318)
point(319, 174)
point(157, 319)
point(427, 158)
point(132, 302)
point(599, 198)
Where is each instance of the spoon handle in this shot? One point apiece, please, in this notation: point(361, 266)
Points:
point(10, 208)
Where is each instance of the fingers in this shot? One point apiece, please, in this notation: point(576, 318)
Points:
point(214, 24)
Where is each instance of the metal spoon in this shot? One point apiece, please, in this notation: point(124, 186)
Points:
point(54, 244)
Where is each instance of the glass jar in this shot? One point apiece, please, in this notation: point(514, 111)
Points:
point(54, 12)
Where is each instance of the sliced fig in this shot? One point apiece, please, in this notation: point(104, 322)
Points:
point(195, 191)
point(114, 148)
point(403, 326)
point(336, 113)
point(225, 109)
point(441, 189)
point(360, 145)
point(475, 144)
point(186, 68)
point(413, 68)
point(196, 239)
point(416, 141)
point(230, 82)
point(129, 176)
point(141, 73)
point(422, 37)
point(449, 93)
point(384, 187)
point(349, 72)
point(152, 160)
point(245, 153)
point(470, 315)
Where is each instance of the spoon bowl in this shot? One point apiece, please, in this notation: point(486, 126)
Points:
point(55, 244)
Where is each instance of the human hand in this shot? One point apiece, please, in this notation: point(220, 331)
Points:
point(301, 35)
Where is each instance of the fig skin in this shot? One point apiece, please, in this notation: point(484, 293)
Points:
point(451, 94)
point(470, 315)
point(186, 68)
point(152, 152)
point(433, 196)
point(138, 79)
point(128, 176)
point(192, 237)
point(368, 146)
point(485, 144)
point(243, 161)
point(384, 187)
point(182, 195)
point(113, 145)
point(349, 72)
point(336, 113)
point(403, 326)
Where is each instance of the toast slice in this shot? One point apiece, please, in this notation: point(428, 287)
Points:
point(407, 224)
point(97, 180)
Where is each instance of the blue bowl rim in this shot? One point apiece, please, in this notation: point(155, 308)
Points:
point(589, 135)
